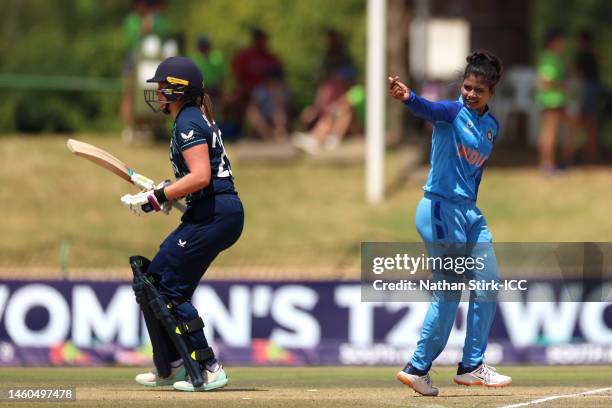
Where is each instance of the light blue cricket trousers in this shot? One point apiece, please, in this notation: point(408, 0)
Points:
point(442, 222)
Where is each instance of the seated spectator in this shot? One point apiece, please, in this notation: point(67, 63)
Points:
point(249, 66)
point(328, 92)
point(334, 69)
point(336, 56)
point(268, 109)
point(346, 117)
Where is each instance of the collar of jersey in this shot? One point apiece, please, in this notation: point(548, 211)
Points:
point(474, 112)
point(183, 107)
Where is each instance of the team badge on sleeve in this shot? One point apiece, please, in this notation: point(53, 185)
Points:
point(490, 135)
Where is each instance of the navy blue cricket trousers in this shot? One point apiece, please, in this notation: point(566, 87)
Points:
point(209, 226)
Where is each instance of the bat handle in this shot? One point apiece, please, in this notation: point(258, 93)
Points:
point(142, 181)
point(179, 206)
point(146, 183)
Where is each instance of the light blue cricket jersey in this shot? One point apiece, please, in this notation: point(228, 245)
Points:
point(462, 142)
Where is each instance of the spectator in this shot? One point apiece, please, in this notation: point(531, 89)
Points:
point(268, 109)
point(334, 66)
point(213, 68)
point(346, 117)
point(589, 88)
point(249, 67)
point(144, 19)
point(251, 64)
point(336, 55)
point(552, 99)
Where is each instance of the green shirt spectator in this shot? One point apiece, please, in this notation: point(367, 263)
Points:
point(211, 64)
point(551, 76)
point(143, 20)
point(356, 98)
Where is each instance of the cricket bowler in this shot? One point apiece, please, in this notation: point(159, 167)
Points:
point(463, 137)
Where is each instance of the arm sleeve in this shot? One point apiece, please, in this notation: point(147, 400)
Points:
point(444, 111)
point(190, 134)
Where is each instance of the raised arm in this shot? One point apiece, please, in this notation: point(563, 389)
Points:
point(444, 111)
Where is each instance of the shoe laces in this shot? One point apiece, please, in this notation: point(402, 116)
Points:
point(487, 372)
point(427, 380)
point(489, 367)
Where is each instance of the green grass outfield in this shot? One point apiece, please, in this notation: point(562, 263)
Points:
point(303, 214)
point(319, 387)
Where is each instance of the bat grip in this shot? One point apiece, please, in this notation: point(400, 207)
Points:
point(179, 206)
point(144, 182)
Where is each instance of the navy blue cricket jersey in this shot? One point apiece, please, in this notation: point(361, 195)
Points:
point(192, 128)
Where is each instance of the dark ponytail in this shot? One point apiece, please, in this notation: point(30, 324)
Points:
point(484, 64)
point(207, 107)
point(202, 101)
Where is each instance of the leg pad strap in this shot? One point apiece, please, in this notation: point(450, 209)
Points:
point(190, 326)
point(203, 354)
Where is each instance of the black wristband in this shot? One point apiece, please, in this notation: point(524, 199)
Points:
point(160, 195)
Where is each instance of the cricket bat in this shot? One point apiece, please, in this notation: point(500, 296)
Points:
point(114, 165)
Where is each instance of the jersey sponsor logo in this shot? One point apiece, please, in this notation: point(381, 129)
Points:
point(469, 124)
point(188, 135)
point(472, 156)
point(182, 243)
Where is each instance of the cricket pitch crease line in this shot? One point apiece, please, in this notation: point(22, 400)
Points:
point(539, 401)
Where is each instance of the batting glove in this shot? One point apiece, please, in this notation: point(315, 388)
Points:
point(147, 201)
point(166, 205)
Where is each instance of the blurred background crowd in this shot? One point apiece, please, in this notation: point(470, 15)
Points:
point(294, 74)
point(248, 86)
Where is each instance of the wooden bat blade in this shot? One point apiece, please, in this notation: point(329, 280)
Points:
point(101, 158)
point(109, 162)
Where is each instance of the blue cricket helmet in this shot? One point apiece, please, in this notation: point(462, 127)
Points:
point(178, 70)
point(181, 78)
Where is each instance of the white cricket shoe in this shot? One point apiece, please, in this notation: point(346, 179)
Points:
point(212, 380)
point(306, 143)
point(483, 375)
point(421, 384)
point(332, 142)
point(152, 379)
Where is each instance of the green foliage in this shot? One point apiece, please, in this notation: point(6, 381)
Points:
point(59, 39)
point(85, 38)
point(296, 30)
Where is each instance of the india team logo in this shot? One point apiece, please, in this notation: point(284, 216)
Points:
point(490, 135)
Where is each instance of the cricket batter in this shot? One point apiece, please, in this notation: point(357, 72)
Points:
point(213, 221)
point(462, 141)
